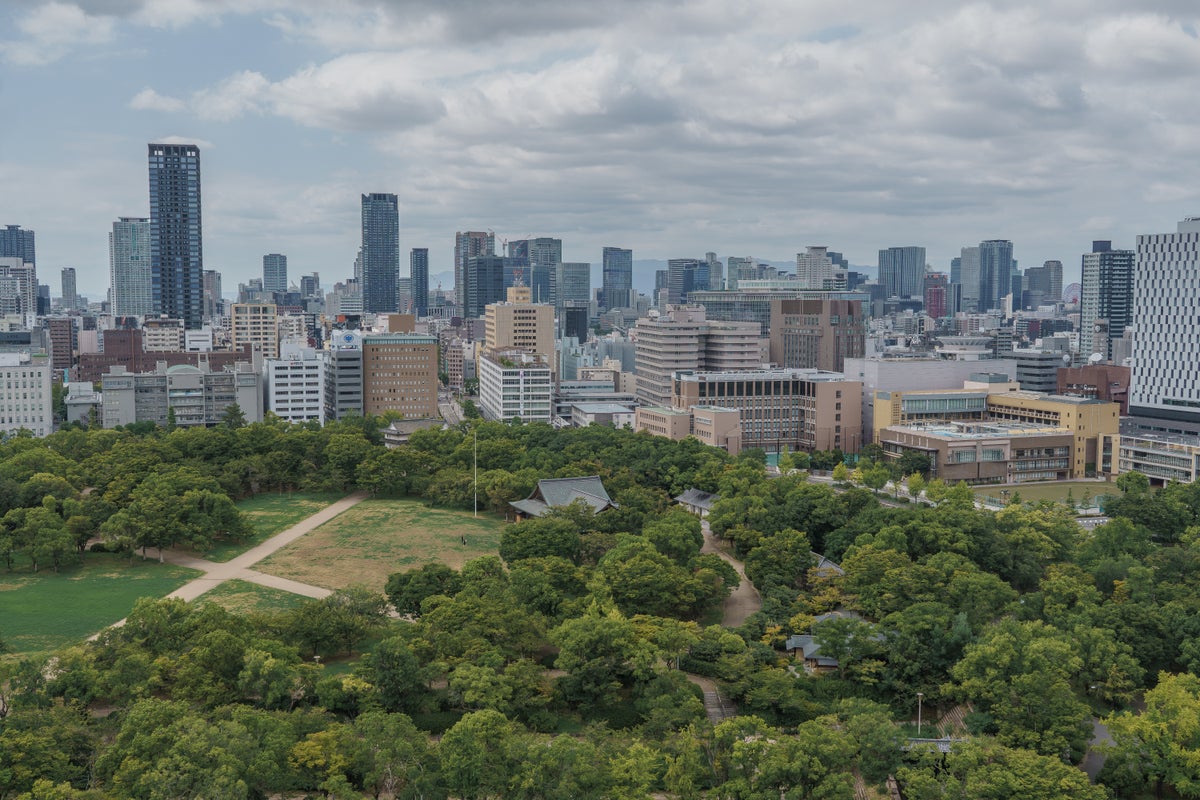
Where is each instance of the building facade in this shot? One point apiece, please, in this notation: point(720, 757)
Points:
point(129, 267)
point(380, 252)
point(184, 394)
point(25, 395)
point(467, 245)
point(295, 384)
point(275, 277)
point(344, 376)
point(985, 452)
point(255, 324)
point(516, 385)
point(400, 374)
point(902, 271)
point(418, 273)
point(519, 324)
point(817, 334)
point(1106, 294)
point(176, 233)
point(617, 278)
point(682, 338)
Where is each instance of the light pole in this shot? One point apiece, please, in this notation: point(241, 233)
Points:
point(920, 695)
point(475, 483)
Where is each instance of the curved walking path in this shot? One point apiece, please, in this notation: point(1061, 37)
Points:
point(742, 601)
point(217, 573)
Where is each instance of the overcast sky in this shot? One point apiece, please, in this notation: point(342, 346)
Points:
point(754, 127)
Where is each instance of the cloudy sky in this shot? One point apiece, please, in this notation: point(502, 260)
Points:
point(753, 127)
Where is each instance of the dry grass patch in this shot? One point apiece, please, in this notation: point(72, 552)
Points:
point(378, 537)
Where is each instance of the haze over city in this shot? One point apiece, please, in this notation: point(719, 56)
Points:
point(673, 129)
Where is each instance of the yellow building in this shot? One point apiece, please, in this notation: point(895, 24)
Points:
point(1087, 419)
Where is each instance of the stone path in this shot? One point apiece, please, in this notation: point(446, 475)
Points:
point(744, 600)
point(239, 568)
point(716, 707)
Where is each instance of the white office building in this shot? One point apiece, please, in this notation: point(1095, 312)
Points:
point(514, 384)
point(1164, 387)
point(295, 384)
point(25, 397)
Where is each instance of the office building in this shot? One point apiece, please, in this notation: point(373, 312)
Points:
point(295, 384)
point(1164, 391)
point(62, 340)
point(380, 253)
point(467, 245)
point(1045, 283)
point(17, 242)
point(1037, 370)
point(969, 278)
point(400, 374)
point(996, 269)
point(797, 409)
point(753, 299)
point(70, 296)
point(1106, 294)
point(344, 376)
point(682, 279)
point(682, 338)
point(519, 324)
point(902, 271)
point(25, 394)
point(985, 452)
point(129, 267)
point(814, 268)
point(937, 295)
point(1160, 457)
point(817, 334)
point(1108, 382)
point(617, 277)
point(255, 324)
point(573, 321)
point(310, 286)
point(486, 278)
point(18, 290)
point(418, 272)
point(574, 283)
point(539, 258)
point(516, 384)
point(275, 273)
point(188, 395)
point(176, 233)
point(214, 304)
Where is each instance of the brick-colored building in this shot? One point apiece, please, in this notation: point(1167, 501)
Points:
point(986, 452)
point(817, 334)
point(400, 373)
point(1108, 382)
point(123, 348)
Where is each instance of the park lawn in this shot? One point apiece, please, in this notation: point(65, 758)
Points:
point(375, 538)
point(41, 612)
point(270, 514)
point(244, 597)
point(1056, 492)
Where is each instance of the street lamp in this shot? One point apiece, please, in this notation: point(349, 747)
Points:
point(920, 695)
point(475, 483)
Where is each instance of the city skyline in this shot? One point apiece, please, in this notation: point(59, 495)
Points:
point(601, 128)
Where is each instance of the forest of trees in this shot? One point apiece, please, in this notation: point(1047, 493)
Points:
point(560, 668)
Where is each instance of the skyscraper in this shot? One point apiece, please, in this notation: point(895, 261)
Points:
point(814, 268)
point(543, 256)
point(937, 287)
point(1164, 382)
point(16, 242)
point(1044, 284)
point(996, 268)
point(213, 305)
point(902, 271)
point(617, 278)
point(469, 244)
point(176, 234)
point(681, 279)
point(418, 272)
point(484, 283)
point(129, 267)
point(1107, 294)
point(969, 279)
point(70, 297)
point(275, 273)
point(380, 252)
point(574, 283)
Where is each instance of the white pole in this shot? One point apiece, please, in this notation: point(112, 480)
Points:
point(475, 432)
point(919, 696)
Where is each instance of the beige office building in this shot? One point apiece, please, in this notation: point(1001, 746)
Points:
point(683, 339)
point(519, 324)
point(256, 324)
point(400, 374)
point(817, 333)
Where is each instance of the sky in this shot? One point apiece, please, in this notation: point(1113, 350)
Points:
point(755, 127)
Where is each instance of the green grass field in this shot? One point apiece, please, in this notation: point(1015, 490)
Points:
point(270, 514)
point(1056, 492)
point(378, 537)
point(44, 611)
point(243, 597)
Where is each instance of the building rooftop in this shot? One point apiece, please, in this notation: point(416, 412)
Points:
point(670, 412)
point(603, 408)
point(770, 374)
point(1025, 394)
point(968, 431)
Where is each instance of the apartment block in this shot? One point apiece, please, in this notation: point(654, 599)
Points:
point(256, 324)
point(25, 395)
point(516, 384)
point(295, 384)
point(682, 338)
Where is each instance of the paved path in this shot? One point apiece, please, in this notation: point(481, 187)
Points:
point(217, 573)
point(742, 601)
point(716, 707)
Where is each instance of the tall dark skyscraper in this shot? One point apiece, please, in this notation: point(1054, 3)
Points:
point(16, 242)
point(467, 245)
point(543, 255)
point(485, 283)
point(617, 278)
point(418, 271)
point(275, 272)
point(380, 252)
point(902, 271)
point(70, 295)
point(682, 279)
point(176, 241)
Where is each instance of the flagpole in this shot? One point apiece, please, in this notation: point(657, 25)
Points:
point(475, 432)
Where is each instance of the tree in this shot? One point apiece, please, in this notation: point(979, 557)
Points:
point(539, 538)
point(876, 477)
point(396, 673)
point(233, 417)
point(484, 751)
point(1162, 744)
point(602, 653)
point(407, 590)
point(1133, 483)
point(841, 473)
point(916, 484)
